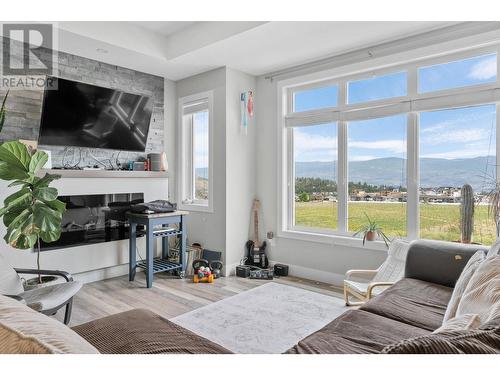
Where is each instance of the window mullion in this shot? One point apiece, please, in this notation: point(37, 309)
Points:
point(342, 178)
point(497, 127)
point(342, 172)
point(412, 205)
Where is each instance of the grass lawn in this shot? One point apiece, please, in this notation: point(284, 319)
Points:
point(437, 221)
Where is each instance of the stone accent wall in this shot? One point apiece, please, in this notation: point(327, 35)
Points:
point(24, 108)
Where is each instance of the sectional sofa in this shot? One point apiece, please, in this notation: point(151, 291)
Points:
point(399, 320)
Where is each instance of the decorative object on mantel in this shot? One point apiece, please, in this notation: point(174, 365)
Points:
point(33, 212)
point(246, 104)
point(32, 145)
point(371, 231)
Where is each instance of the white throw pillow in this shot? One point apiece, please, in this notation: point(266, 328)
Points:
point(482, 295)
point(494, 249)
point(462, 322)
point(23, 330)
point(462, 283)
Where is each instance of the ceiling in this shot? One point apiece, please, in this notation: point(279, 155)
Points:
point(180, 49)
point(164, 28)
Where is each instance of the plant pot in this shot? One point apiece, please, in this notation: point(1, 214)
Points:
point(33, 282)
point(371, 236)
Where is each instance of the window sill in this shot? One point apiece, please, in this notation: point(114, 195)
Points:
point(333, 240)
point(196, 208)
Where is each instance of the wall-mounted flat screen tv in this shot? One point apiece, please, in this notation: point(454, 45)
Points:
point(82, 115)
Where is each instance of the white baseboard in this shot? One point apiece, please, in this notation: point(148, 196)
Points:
point(103, 273)
point(313, 274)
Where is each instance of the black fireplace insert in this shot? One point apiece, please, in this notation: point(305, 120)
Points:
point(91, 219)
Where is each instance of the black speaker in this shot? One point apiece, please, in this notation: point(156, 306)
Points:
point(280, 269)
point(242, 271)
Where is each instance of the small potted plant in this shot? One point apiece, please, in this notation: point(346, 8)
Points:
point(370, 231)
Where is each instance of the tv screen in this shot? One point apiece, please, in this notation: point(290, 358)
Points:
point(82, 115)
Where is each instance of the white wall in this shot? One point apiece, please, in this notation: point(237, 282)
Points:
point(209, 229)
point(88, 262)
point(241, 171)
point(313, 260)
point(170, 113)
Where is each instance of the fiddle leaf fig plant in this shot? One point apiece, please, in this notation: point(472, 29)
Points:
point(33, 212)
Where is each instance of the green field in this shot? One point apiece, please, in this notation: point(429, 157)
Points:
point(437, 221)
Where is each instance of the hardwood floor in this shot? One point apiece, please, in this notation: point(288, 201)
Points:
point(169, 295)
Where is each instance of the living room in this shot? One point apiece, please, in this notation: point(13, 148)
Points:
point(209, 185)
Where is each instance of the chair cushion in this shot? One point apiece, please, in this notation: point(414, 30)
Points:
point(482, 295)
point(10, 282)
point(462, 283)
point(394, 267)
point(51, 296)
point(144, 332)
point(25, 331)
point(411, 301)
point(355, 332)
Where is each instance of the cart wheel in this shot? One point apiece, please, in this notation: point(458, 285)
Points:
point(195, 279)
point(211, 278)
point(181, 274)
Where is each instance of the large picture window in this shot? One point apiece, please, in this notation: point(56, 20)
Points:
point(395, 146)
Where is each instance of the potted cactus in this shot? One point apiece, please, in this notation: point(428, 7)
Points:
point(466, 213)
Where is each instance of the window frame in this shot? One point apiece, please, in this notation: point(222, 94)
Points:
point(412, 104)
point(186, 180)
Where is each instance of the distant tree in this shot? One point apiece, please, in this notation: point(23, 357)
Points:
point(304, 197)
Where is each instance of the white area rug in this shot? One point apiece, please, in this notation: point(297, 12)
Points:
point(270, 318)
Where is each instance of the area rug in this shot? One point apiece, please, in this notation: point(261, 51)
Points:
point(270, 318)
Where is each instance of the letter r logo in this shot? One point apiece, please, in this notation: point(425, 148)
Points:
point(36, 42)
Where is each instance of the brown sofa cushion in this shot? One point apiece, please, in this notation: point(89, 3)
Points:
point(143, 332)
point(450, 342)
point(355, 331)
point(415, 302)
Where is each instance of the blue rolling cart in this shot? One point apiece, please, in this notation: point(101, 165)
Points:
point(157, 225)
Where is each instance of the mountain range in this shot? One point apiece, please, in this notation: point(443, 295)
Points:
point(434, 172)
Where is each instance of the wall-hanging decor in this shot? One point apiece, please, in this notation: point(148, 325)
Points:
point(246, 104)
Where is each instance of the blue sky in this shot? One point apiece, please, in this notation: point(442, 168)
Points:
point(450, 134)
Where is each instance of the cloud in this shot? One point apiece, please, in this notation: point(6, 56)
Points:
point(456, 136)
point(314, 147)
point(484, 69)
point(395, 146)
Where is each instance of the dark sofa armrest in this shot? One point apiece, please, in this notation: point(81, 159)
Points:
point(67, 276)
point(438, 262)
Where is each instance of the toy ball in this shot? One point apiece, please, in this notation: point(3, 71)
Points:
point(202, 268)
point(208, 272)
point(201, 274)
